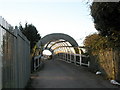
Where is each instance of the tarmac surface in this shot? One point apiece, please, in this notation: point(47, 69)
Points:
point(59, 74)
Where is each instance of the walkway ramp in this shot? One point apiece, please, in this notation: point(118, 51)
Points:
point(59, 74)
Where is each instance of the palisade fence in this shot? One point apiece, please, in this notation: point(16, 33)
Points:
point(14, 57)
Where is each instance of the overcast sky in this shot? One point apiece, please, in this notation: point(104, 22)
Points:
point(51, 16)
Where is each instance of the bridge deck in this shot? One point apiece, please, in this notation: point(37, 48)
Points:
point(59, 74)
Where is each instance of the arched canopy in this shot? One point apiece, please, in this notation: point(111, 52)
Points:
point(57, 41)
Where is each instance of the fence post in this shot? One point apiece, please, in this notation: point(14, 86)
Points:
point(68, 54)
point(64, 57)
point(80, 59)
point(0, 55)
point(14, 75)
point(75, 59)
point(67, 57)
point(34, 64)
point(38, 62)
point(70, 57)
point(0, 70)
point(88, 63)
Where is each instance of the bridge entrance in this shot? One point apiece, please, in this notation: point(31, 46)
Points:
point(56, 72)
point(58, 42)
point(61, 46)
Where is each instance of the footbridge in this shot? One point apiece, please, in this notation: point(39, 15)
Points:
point(61, 46)
point(62, 69)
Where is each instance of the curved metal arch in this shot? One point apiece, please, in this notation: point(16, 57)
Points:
point(65, 44)
point(68, 48)
point(57, 36)
point(60, 45)
point(56, 43)
point(47, 45)
point(52, 50)
point(63, 50)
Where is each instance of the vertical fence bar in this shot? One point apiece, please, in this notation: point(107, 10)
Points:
point(1, 54)
point(34, 64)
point(75, 59)
point(70, 57)
point(14, 60)
point(80, 59)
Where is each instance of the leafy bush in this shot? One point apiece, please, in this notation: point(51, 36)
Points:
point(106, 16)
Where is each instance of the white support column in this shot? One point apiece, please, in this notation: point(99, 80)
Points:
point(75, 59)
point(80, 59)
point(67, 56)
point(88, 63)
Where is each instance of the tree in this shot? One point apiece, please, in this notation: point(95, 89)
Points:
point(31, 33)
point(106, 17)
point(96, 42)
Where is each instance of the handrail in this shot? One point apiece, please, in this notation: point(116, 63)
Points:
point(76, 60)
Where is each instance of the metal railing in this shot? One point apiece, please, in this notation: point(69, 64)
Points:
point(14, 57)
point(77, 59)
point(36, 62)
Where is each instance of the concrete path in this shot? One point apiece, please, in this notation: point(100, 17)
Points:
point(59, 74)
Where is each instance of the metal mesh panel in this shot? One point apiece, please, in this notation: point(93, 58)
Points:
point(14, 57)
